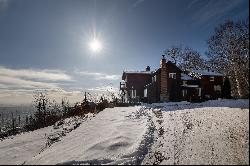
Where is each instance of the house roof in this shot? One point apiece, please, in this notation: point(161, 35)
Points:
point(136, 72)
point(206, 73)
point(186, 77)
point(174, 65)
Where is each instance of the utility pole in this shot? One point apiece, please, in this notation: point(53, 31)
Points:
point(85, 97)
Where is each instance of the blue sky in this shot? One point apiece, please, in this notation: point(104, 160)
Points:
point(44, 43)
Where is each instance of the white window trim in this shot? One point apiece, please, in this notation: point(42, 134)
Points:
point(217, 88)
point(133, 93)
point(184, 92)
point(172, 75)
point(192, 86)
point(154, 79)
point(199, 89)
point(145, 92)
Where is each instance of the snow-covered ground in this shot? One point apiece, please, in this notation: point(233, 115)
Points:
point(22, 147)
point(113, 136)
point(213, 132)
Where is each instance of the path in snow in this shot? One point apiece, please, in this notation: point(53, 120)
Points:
point(204, 134)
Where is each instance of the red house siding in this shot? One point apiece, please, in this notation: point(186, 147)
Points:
point(153, 89)
point(190, 91)
point(173, 85)
point(136, 81)
point(208, 90)
point(172, 91)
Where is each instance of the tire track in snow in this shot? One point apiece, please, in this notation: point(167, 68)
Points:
point(148, 139)
point(156, 155)
point(169, 141)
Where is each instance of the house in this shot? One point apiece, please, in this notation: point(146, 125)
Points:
point(170, 83)
point(133, 83)
point(165, 83)
point(190, 88)
point(211, 83)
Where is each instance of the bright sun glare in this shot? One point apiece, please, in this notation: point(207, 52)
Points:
point(95, 45)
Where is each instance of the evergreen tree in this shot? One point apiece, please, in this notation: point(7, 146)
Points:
point(226, 89)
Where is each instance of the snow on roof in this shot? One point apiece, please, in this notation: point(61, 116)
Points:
point(207, 73)
point(186, 77)
point(138, 72)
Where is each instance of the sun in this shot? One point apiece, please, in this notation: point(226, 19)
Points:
point(95, 45)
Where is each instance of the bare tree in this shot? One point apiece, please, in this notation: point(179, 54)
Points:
point(186, 58)
point(228, 51)
point(192, 60)
point(175, 53)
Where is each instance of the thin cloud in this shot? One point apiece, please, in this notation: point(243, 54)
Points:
point(209, 11)
point(46, 75)
point(192, 3)
point(12, 82)
point(99, 76)
point(20, 84)
point(4, 4)
point(25, 96)
point(138, 2)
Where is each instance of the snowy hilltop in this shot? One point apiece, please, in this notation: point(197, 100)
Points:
point(213, 132)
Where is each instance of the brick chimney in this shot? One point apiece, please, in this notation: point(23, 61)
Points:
point(163, 92)
point(148, 68)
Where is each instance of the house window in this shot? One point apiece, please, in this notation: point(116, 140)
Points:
point(154, 79)
point(199, 90)
point(145, 92)
point(172, 75)
point(184, 82)
point(184, 92)
point(133, 93)
point(217, 88)
point(211, 78)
